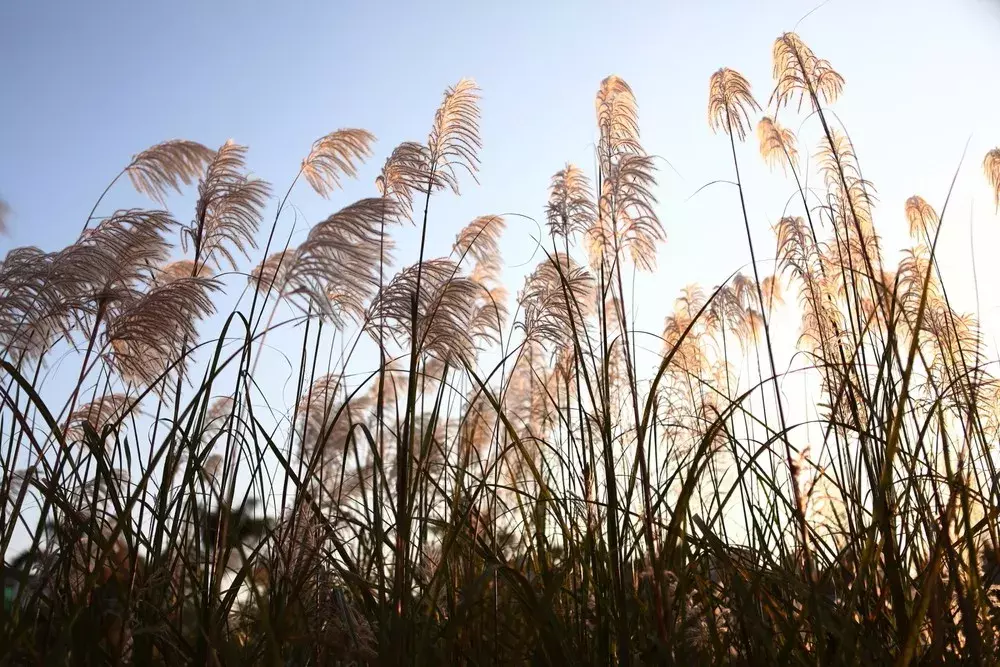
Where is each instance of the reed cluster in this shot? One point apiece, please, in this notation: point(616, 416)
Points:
point(509, 480)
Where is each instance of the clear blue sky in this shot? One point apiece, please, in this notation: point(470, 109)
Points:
point(87, 84)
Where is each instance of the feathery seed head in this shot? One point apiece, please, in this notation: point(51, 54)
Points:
point(730, 103)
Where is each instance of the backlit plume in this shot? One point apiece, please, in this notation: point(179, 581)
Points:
point(777, 144)
point(106, 411)
point(446, 308)
point(334, 156)
point(617, 118)
point(166, 166)
point(479, 243)
point(454, 143)
point(730, 103)
point(923, 219)
point(405, 172)
point(991, 165)
point(182, 268)
point(337, 265)
point(798, 73)
point(626, 220)
point(147, 336)
point(228, 211)
point(570, 208)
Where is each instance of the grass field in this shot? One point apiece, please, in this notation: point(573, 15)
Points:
point(476, 473)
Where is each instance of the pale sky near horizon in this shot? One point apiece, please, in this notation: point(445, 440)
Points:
point(86, 85)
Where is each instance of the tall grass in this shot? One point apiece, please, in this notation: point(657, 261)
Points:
point(497, 485)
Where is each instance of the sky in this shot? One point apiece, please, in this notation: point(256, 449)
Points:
point(87, 85)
